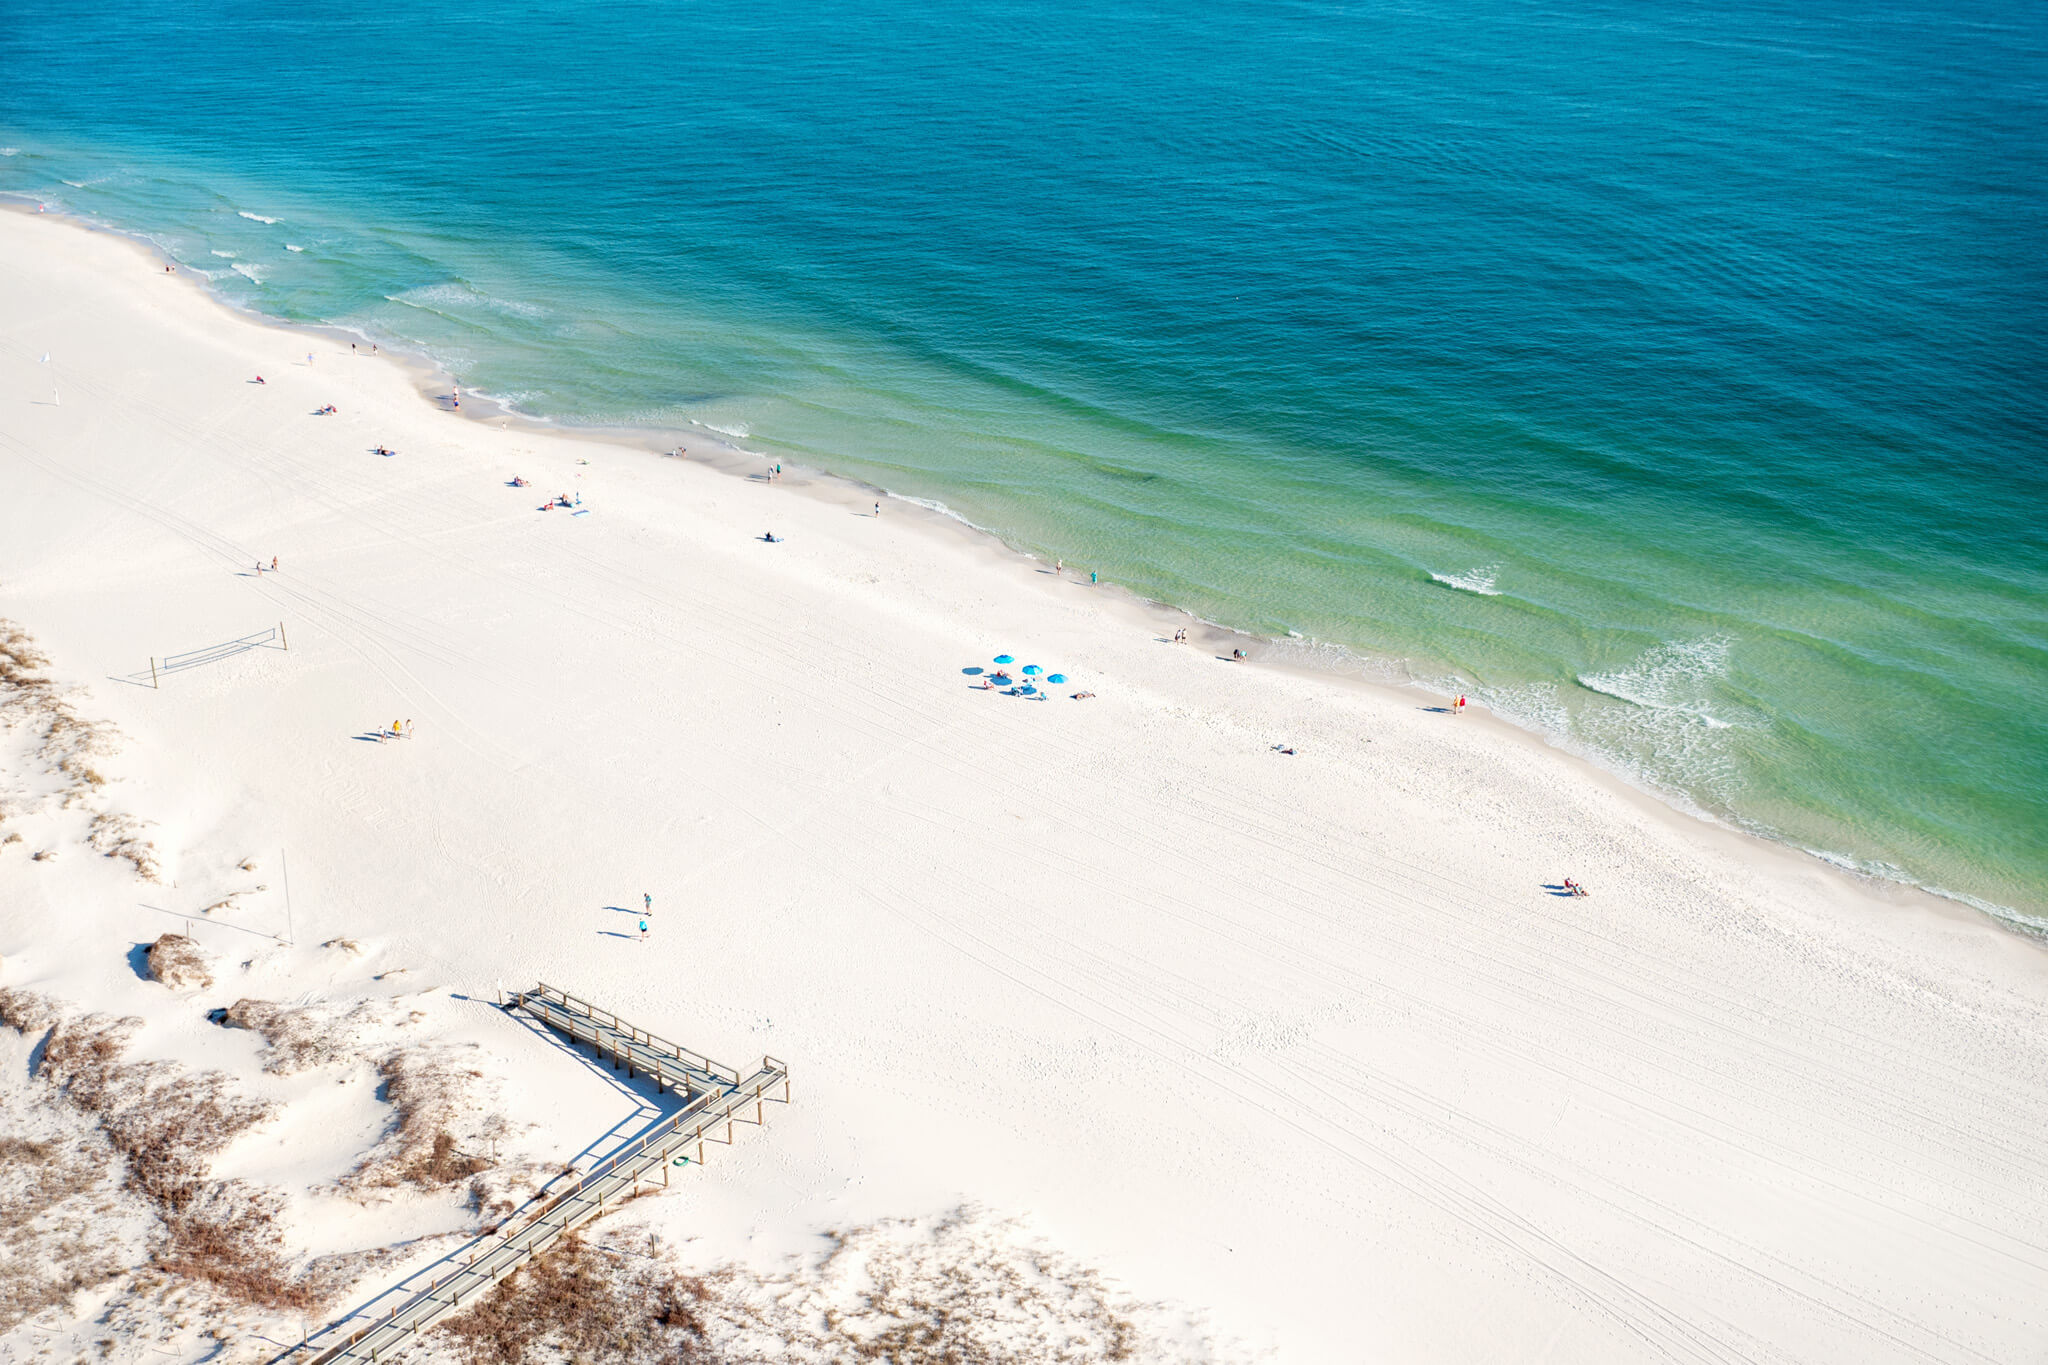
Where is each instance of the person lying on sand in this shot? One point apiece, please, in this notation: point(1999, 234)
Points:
point(1083, 696)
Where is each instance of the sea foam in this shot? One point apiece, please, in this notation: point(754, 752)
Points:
point(255, 217)
point(1478, 580)
point(1672, 677)
point(451, 298)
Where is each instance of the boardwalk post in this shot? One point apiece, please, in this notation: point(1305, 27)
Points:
point(280, 635)
point(152, 670)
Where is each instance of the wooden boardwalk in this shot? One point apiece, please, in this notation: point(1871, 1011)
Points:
point(715, 1097)
point(634, 1050)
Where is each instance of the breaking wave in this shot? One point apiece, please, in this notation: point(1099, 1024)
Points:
point(1478, 580)
point(1671, 677)
point(453, 299)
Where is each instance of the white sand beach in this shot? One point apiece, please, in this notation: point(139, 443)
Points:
point(1304, 1047)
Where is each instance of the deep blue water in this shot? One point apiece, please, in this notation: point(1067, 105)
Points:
point(1670, 378)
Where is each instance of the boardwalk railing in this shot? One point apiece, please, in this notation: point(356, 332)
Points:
point(717, 1098)
point(633, 1048)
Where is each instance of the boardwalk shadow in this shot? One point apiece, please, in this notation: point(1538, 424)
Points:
point(650, 1106)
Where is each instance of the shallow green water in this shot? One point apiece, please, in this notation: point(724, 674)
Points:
point(1671, 382)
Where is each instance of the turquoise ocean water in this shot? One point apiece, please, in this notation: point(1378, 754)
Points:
point(1670, 378)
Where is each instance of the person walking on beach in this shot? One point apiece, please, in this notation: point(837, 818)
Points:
point(647, 898)
point(273, 563)
point(878, 509)
point(1458, 706)
point(643, 931)
point(408, 729)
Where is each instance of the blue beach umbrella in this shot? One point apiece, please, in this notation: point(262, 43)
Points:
point(1005, 659)
point(1032, 670)
point(1027, 687)
point(1056, 677)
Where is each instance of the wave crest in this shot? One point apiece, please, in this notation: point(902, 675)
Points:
point(1674, 677)
point(1479, 580)
point(453, 298)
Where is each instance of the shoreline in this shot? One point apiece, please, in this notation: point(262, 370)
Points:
point(430, 380)
point(1311, 1041)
